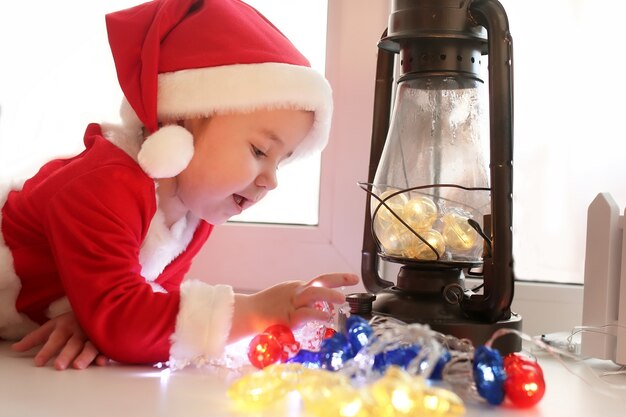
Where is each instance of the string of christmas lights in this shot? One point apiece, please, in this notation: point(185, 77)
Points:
point(385, 368)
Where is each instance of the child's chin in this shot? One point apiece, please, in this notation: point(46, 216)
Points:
point(216, 220)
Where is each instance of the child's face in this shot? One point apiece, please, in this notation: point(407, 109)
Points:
point(236, 158)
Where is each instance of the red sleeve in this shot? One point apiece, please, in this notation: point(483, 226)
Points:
point(96, 224)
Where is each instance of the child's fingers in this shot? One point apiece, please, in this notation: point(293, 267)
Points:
point(306, 314)
point(47, 352)
point(88, 355)
point(309, 295)
point(68, 352)
point(334, 280)
point(60, 344)
point(102, 360)
point(32, 339)
point(23, 345)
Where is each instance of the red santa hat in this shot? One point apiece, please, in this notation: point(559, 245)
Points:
point(182, 59)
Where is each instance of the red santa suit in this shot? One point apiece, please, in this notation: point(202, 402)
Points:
point(87, 228)
point(85, 233)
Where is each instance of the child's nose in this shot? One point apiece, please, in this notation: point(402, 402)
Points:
point(267, 179)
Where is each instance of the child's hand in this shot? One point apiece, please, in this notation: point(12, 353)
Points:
point(62, 337)
point(290, 303)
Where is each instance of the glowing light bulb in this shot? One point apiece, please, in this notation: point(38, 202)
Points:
point(458, 233)
point(441, 402)
point(396, 239)
point(340, 400)
point(359, 332)
point(398, 393)
point(387, 227)
point(326, 393)
point(256, 391)
point(393, 237)
point(264, 350)
point(420, 213)
point(489, 374)
point(393, 394)
point(524, 385)
point(395, 203)
point(285, 337)
point(421, 251)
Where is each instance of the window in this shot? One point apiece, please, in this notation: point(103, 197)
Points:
point(569, 140)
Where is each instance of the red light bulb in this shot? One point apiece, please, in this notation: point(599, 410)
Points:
point(264, 350)
point(329, 332)
point(285, 338)
point(524, 385)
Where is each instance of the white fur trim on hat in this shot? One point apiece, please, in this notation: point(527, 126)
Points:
point(202, 92)
point(166, 152)
point(203, 323)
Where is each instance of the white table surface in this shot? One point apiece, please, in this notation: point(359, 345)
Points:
point(573, 389)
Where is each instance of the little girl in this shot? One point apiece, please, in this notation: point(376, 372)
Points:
point(95, 247)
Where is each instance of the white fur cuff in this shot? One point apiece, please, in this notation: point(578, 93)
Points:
point(203, 323)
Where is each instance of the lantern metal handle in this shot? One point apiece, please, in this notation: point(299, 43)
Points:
point(495, 302)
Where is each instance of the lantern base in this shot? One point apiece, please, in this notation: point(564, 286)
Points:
point(445, 318)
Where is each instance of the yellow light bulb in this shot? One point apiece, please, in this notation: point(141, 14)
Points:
point(257, 391)
point(420, 213)
point(325, 393)
point(417, 249)
point(393, 394)
point(394, 237)
point(458, 233)
point(395, 203)
point(441, 402)
point(341, 400)
point(399, 394)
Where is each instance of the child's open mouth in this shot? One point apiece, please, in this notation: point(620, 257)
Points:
point(239, 200)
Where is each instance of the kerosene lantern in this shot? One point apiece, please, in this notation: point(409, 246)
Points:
point(440, 178)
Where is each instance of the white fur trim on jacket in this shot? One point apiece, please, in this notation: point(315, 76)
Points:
point(163, 244)
point(203, 323)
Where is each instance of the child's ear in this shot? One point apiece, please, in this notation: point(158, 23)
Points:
point(193, 124)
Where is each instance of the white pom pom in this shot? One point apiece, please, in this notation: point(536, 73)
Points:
point(166, 152)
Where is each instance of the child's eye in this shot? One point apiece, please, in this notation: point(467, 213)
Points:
point(257, 152)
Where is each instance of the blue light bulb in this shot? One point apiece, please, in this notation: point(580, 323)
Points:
point(359, 332)
point(489, 374)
